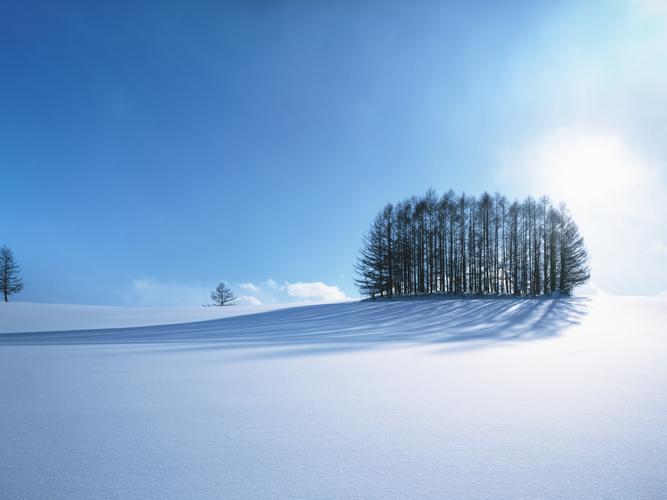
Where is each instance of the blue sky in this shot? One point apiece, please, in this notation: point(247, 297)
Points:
point(148, 151)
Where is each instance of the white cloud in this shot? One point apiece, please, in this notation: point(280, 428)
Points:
point(271, 292)
point(249, 287)
point(273, 285)
point(315, 291)
point(149, 292)
point(248, 300)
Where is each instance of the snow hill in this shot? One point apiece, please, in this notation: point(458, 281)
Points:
point(36, 317)
point(421, 398)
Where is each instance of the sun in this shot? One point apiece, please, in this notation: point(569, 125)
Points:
point(588, 170)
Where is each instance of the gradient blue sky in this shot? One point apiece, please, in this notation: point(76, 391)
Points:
point(150, 149)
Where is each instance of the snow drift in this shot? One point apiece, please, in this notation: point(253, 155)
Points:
point(455, 398)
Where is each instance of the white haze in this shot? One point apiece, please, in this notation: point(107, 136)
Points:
point(601, 106)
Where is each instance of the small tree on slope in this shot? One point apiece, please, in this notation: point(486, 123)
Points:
point(10, 274)
point(222, 295)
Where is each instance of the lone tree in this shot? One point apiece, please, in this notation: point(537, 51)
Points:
point(222, 295)
point(10, 274)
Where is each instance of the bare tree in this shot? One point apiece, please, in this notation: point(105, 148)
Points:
point(574, 269)
point(222, 295)
point(370, 266)
point(10, 274)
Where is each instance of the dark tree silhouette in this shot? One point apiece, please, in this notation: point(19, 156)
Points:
point(10, 274)
point(462, 244)
point(222, 295)
point(574, 269)
point(370, 266)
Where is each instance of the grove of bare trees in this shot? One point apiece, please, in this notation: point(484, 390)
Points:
point(459, 244)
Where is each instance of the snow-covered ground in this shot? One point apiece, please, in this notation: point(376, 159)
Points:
point(507, 398)
point(35, 317)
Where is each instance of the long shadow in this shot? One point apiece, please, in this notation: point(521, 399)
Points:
point(347, 326)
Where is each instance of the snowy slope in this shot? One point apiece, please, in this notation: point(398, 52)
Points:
point(510, 398)
point(38, 317)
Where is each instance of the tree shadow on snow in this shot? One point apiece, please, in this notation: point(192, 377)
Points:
point(327, 328)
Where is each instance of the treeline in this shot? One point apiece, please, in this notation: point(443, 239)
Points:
point(459, 244)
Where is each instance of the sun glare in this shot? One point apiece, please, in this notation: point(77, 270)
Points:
point(589, 171)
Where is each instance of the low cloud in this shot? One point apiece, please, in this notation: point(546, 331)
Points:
point(272, 292)
point(270, 283)
point(249, 287)
point(316, 291)
point(248, 300)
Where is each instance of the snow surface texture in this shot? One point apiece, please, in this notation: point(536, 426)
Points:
point(439, 398)
point(33, 317)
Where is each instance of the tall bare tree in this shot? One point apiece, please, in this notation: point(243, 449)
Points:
point(10, 274)
point(574, 269)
